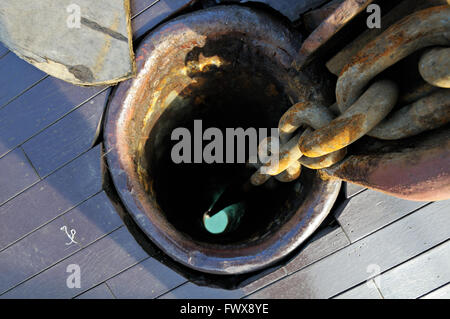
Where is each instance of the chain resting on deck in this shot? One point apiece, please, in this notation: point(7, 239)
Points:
point(325, 137)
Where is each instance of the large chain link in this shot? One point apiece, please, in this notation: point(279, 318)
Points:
point(323, 143)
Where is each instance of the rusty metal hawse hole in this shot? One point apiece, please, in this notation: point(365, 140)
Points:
point(242, 92)
point(230, 67)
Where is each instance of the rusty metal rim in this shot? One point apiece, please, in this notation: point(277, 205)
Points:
point(230, 259)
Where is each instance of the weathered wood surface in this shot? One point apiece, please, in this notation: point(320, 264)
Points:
point(416, 277)
point(367, 290)
point(370, 210)
point(440, 293)
point(16, 174)
point(100, 292)
point(12, 81)
point(72, 194)
point(51, 197)
point(192, 291)
point(352, 265)
point(86, 43)
point(148, 279)
point(44, 247)
point(68, 137)
point(37, 108)
point(100, 261)
point(351, 189)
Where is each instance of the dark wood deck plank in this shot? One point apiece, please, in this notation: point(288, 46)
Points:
point(93, 219)
point(440, 293)
point(370, 210)
point(100, 292)
point(46, 246)
point(349, 267)
point(33, 254)
point(270, 276)
point(37, 108)
point(51, 197)
point(16, 174)
point(192, 291)
point(67, 138)
point(149, 279)
point(366, 290)
point(98, 262)
point(322, 244)
point(417, 276)
point(138, 6)
point(352, 189)
point(16, 76)
point(157, 13)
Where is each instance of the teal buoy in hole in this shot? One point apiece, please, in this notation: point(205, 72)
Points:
point(226, 220)
point(229, 205)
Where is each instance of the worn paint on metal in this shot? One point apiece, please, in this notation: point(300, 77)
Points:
point(425, 114)
point(137, 106)
point(323, 161)
point(328, 28)
point(421, 29)
point(369, 110)
point(416, 169)
point(434, 66)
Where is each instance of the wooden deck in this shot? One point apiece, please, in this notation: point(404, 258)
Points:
point(50, 177)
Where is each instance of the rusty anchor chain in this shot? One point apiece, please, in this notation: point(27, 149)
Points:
point(368, 111)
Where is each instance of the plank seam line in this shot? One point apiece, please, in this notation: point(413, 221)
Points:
point(54, 122)
point(393, 267)
point(56, 263)
point(170, 290)
point(343, 230)
point(433, 290)
point(46, 223)
point(368, 278)
point(145, 9)
point(292, 273)
point(31, 163)
point(24, 190)
point(109, 288)
point(43, 178)
point(393, 221)
point(23, 91)
point(357, 193)
point(120, 271)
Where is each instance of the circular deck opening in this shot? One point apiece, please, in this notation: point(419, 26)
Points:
point(229, 67)
point(241, 93)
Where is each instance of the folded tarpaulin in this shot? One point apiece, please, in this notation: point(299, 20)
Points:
point(83, 42)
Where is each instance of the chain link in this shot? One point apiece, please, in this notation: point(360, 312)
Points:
point(366, 113)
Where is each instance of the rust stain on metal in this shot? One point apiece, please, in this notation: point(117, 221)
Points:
point(173, 61)
point(417, 170)
point(330, 26)
point(323, 161)
point(369, 110)
point(425, 114)
point(423, 28)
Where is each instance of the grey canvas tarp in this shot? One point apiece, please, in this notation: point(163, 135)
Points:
point(83, 42)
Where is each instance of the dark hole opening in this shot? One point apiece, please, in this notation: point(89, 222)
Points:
point(244, 93)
